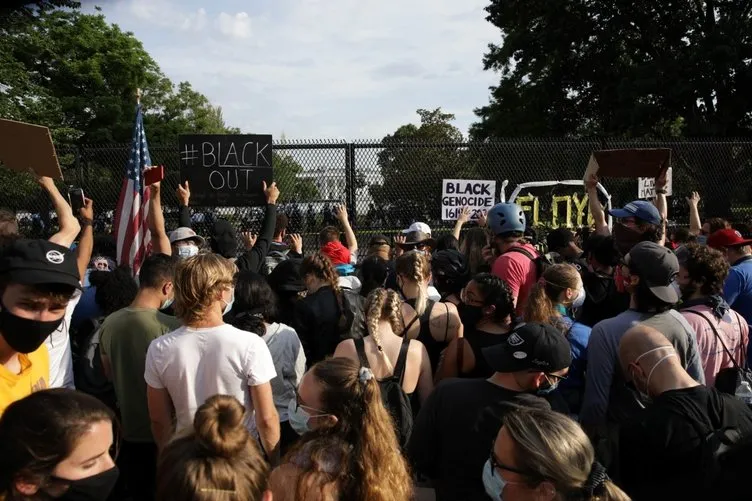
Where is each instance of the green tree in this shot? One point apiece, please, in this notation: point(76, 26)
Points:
point(292, 187)
point(428, 152)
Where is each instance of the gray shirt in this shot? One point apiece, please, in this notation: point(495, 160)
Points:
point(606, 396)
point(289, 362)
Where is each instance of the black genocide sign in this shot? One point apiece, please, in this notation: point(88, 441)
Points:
point(226, 170)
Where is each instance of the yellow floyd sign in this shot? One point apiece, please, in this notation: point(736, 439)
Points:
point(25, 147)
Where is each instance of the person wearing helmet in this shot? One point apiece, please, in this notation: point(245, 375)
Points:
point(514, 258)
point(450, 274)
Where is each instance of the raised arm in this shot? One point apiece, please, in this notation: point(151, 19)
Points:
point(86, 241)
point(463, 218)
point(596, 209)
point(660, 201)
point(67, 222)
point(160, 240)
point(184, 199)
point(254, 259)
point(695, 224)
point(352, 242)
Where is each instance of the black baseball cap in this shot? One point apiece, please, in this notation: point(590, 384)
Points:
point(36, 262)
point(559, 238)
point(378, 241)
point(531, 346)
point(657, 266)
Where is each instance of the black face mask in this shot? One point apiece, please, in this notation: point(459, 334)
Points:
point(95, 488)
point(625, 237)
point(25, 335)
point(470, 315)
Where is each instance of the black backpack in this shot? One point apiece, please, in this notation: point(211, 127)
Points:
point(542, 261)
point(395, 399)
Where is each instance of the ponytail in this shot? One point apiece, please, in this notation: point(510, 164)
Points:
point(414, 266)
point(541, 304)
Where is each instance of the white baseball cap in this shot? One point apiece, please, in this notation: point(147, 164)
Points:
point(418, 227)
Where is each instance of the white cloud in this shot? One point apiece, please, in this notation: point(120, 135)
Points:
point(334, 68)
point(237, 26)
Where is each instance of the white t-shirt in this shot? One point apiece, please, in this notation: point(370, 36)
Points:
point(59, 348)
point(195, 364)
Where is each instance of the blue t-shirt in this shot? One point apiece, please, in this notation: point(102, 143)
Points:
point(578, 336)
point(738, 288)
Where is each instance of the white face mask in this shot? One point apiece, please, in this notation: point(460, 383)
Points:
point(166, 303)
point(580, 299)
point(229, 304)
point(186, 251)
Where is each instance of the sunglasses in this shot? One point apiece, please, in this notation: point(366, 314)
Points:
point(496, 464)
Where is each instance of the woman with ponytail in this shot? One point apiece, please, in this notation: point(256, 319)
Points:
point(319, 314)
point(349, 448)
point(218, 459)
point(389, 355)
point(433, 324)
point(544, 455)
point(486, 311)
point(552, 300)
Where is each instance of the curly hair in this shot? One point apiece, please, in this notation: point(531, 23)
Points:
point(383, 304)
point(318, 265)
point(414, 266)
point(707, 266)
point(650, 232)
point(717, 223)
point(496, 292)
point(198, 280)
point(371, 466)
point(115, 289)
point(541, 305)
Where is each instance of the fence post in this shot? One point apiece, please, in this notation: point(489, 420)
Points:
point(350, 178)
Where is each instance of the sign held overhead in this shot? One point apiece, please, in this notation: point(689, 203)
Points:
point(226, 170)
point(457, 194)
point(630, 163)
point(646, 185)
point(25, 147)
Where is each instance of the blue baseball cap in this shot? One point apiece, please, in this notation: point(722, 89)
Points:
point(639, 209)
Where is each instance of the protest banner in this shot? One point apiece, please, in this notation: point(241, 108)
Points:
point(630, 163)
point(646, 185)
point(457, 194)
point(567, 207)
point(25, 147)
point(226, 170)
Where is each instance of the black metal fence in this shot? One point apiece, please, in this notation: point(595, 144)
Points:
point(387, 185)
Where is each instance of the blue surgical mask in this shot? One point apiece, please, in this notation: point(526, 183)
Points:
point(548, 389)
point(299, 417)
point(166, 303)
point(186, 251)
point(492, 482)
point(702, 239)
point(580, 299)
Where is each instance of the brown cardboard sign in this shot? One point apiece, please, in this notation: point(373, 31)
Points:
point(631, 163)
point(25, 147)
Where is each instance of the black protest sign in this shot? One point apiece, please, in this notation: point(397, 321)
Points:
point(226, 170)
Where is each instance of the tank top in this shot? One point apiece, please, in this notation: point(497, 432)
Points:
point(477, 341)
point(433, 347)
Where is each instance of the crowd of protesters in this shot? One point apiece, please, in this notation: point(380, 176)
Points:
point(606, 365)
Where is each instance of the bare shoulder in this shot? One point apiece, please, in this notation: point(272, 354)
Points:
point(345, 348)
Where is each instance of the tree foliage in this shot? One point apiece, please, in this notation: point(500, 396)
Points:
point(292, 187)
point(619, 67)
point(430, 152)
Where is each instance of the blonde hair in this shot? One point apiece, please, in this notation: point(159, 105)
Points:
point(217, 460)
point(541, 304)
point(553, 447)
point(383, 304)
point(415, 266)
point(371, 466)
point(198, 280)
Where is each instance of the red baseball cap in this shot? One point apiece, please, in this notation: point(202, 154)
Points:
point(727, 238)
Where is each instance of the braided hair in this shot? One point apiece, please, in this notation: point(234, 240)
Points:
point(414, 266)
point(383, 304)
point(318, 265)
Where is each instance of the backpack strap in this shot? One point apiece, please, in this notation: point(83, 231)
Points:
point(446, 323)
point(399, 368)
point(521, 250)
point(410, 324)
point(360, 347)
point(717, 335)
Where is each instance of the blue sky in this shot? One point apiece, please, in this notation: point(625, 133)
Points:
point(334, 69)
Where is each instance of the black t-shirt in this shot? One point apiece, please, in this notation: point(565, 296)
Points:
point(455, 430)
point(661, 454)
point(602, 300)
point(316, 321)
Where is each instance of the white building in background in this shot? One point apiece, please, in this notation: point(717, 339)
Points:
point(331, 182)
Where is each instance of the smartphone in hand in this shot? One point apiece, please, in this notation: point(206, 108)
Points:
point(153, 175)
point(76, 199)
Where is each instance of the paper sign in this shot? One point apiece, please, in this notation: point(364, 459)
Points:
point(631, 163)
point(26, 146)
point(226, 170)
point(646, 185)
point(456, 194)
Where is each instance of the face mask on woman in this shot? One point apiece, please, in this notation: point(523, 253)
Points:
point(186, 251)
point(95, 488)
point(299, 417)
point(492, 482)
point(580, 299)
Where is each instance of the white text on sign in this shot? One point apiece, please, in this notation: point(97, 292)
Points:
point(457, 194)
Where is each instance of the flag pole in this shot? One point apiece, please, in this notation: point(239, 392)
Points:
point(138, 96)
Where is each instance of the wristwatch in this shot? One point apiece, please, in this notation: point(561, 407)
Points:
point(86, 222)
point(662, 191)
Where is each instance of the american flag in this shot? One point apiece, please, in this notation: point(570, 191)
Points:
point(131, 225)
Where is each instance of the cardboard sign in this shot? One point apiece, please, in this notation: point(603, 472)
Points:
point(226, 170)
point(646, 185)
point(456, 194)
point(632, 163)
point(25, 147)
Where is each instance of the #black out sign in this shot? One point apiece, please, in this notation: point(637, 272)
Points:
point(457, 194)
point(226, 170)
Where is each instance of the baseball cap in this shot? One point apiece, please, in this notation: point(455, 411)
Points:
point(657, 266)
point(727, 238)
point(378, 241)
point(531, 346)
point(417, 237)
point(36, 262)
point(558, 238)
point(184, 233)
point(418, 227)
point(640, 209)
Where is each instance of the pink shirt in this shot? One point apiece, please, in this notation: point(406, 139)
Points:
point(734, 331)
point(518, 271)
